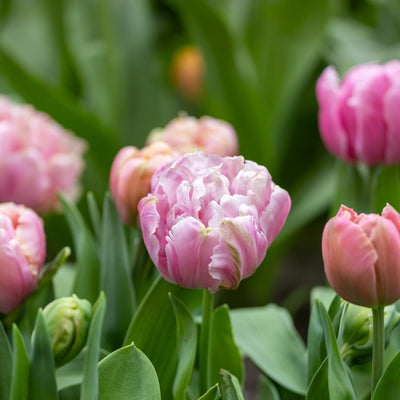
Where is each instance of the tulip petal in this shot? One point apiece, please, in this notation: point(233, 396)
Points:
point(391, 109)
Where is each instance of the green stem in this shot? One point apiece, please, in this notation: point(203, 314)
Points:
point(205, 333)
point(378, 347)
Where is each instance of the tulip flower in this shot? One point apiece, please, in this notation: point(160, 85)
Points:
point(38, 158)
point(209, 220)
point(210, 135)
point(131, 173)
point(362, 256)
point(22, 254)
point(358, 116)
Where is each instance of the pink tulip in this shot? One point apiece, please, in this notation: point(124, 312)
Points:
point(22, 254)
point(358, 117)
point(187, 134)
point(131, 174)
point(208, 220)
point(38, 158)
point(362, 256)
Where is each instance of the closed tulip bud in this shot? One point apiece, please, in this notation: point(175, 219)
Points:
point(358, 115)
point(362, 256)
point(131, 173)
point(357, 334)
point(210, 135)
point(209, 220)
point(22, 254)
point(67, 319)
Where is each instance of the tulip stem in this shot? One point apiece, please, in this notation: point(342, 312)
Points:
point(378, 349)
point(205, 333)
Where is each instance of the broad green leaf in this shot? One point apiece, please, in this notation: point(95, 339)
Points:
point(127, 374)
point(230, 387)
point(6, 364)
point(319, 387)
point(87, 279)
point(267, 335)
point(116, 281)
point(42, 378)
point(267, 390)
point(212, 394)
point(153, 329)
point(90, 380)
point(70, 374)
point(387, 188)
point(339, 382)
point(21, 366)
point(187, 341)
point(94, 214)
point(224, 351)
point(324, 294)
point(388, 386)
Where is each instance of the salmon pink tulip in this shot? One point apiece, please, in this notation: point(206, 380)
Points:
point(209, 220)
point(362, 256)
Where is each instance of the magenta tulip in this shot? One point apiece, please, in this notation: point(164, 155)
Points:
point(208, 220)
point(38, 158)
point(22, 254)
point(362, 256)
point(358, 117)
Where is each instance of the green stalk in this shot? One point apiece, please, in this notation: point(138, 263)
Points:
point(378, 346)
point(205, 333)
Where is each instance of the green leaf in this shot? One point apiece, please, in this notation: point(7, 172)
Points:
point(267, 390)
point(187, 341)
point(230, 387)
point(387, 188)
point(87, 279)
point(212, 394)
point(127, 374)
point(42, 378)
point(116, 281)
point(340, 386)
point(50, 269)
point(20, 373)
point(90, 380)
point(94, 214)
point(267, 335)
point(224, 351)
point(6, 364)
point(319, 387)
point(388, 386)
point(153, 329)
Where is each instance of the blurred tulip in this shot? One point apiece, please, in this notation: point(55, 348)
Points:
point(22, 254)
point(208, 220)
point(187, 134)
point(358, 117)
point(131, 174)
point(187, 72)
point(362, 256)
point(38, 158)
point(67, 319)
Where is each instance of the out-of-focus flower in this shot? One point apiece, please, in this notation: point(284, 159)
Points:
point(38, 158)
point(356, 345)
point(358, 117)
point(186, 134)
point(22, 254)
point(362, 256)
point(208, 220)
point(187, 72)
point(67, 319)
point(131, 173)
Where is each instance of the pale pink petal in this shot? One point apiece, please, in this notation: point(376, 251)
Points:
point(391, 115)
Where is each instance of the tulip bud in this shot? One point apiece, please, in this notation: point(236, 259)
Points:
point(357, 334)
point(362, 256)
point(68, 321)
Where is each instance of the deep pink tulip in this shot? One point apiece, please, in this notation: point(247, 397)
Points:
point(186, 134)
point(22, 254)
point(38, 158)
point(131, 174)
point(358, 116)
point(208, 220)
point(362, 256)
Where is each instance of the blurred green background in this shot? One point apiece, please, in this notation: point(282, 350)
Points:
point(102, 68)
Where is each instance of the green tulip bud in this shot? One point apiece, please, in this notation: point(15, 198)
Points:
point(357, 334)
point(68, 321)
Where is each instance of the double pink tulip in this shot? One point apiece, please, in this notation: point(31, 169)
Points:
point(359, 117)
point(209, 220)
point(38, 158)
point(362, 256)
point(22, 254)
